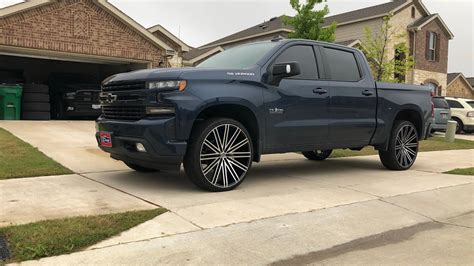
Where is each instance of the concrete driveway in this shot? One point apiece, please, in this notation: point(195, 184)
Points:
point(289, 210)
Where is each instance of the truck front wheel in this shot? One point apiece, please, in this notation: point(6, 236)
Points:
point(219, 154)
point(402, 148)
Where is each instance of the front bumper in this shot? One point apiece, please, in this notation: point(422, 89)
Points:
point(163, 151)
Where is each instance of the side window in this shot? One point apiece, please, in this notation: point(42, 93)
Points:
point(304, 55)
point(454, 104)
point(342, 65)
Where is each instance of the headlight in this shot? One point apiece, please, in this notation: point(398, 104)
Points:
point(70, 95)
point(470, 114)
point(167, 85)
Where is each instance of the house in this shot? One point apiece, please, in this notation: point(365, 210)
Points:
point(426, 35)
point(460, 86)
point(93, 37)
point(176, 60)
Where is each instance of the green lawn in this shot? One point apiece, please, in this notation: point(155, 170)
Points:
point(461, 171)
point(432, 144)
point(62, 236)
point(20, 159)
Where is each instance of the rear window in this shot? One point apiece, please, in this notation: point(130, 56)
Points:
point(454, 104)
point(440, 103)
point(471, 103)
point(342, 65)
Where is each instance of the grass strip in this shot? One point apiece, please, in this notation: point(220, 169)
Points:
point(461, 171)
point(20, 159)
point(62, 236)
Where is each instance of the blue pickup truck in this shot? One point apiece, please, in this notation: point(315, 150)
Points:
point(267, 97)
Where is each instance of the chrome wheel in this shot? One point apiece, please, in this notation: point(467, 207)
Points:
point(406, 145)
point(225, 155)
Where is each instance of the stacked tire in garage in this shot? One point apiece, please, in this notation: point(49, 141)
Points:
point(35, 102)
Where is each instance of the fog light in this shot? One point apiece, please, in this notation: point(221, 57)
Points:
point(140, 148)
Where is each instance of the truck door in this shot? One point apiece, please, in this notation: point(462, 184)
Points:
point(353, 102)
point(297, 109)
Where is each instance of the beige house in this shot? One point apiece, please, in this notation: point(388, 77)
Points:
point(460, 86)
point(426, 34)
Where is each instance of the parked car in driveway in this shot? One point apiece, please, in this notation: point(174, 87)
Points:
point(74, 96)
point(266, 97)
point(462, 111)
point(442, 114)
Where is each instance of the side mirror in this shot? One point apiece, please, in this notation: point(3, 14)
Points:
point(283, 70)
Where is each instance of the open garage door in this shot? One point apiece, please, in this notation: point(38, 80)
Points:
point(60, 88)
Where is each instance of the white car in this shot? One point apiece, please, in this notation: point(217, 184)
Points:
point(462, 111)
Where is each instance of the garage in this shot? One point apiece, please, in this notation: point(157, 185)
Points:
point(60, 51)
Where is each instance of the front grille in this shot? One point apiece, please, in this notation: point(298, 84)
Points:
point(124, 86)
point(124, 112)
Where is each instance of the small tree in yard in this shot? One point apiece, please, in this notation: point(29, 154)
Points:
point(376, 48)
point(308, 23)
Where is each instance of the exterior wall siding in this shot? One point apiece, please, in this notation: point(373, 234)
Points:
point(459, 88)
point(356, 31)
point(79, 27)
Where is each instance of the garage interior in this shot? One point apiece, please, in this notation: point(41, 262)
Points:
point(39, 70)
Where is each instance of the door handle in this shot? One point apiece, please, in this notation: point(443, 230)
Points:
point(320, 91)
point(367, 93)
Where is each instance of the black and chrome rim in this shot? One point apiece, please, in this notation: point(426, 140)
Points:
point(406, 145)
point(225, 155)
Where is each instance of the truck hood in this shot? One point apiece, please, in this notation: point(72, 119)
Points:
point(189, 73)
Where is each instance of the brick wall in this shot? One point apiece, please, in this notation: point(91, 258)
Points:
point(459, 88)
point(77, 26)
point(440, 65)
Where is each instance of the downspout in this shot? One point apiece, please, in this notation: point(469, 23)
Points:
point(414, 59)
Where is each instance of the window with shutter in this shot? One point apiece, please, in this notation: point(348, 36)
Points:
point(431, 46)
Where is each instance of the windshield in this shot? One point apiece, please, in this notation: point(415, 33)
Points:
point(240, 57)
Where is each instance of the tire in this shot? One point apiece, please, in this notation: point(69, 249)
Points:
point(35, 88)
point(405, 136)
point(36, 116)
point(141, 169)
point(36, 107)
point(459, 126)
point(32, 97)
point(317, 155)
point(221, 169)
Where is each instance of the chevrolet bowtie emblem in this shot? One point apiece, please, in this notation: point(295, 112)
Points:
point(108, 97)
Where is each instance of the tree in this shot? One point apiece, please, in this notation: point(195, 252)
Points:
point(308, 23)
point(376, 47)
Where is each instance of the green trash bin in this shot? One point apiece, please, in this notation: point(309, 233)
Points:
point(10, 102)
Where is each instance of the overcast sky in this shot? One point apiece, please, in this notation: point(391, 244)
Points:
point(198, 22)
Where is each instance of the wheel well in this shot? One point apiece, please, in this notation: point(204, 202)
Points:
point(240, 113)
point(414, 117)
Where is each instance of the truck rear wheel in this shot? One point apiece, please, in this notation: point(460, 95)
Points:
point(402, 148)
point(219, 154)
point(317, 155)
